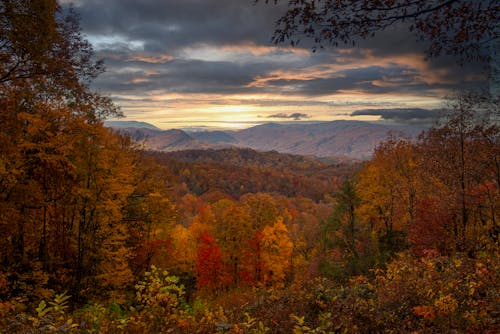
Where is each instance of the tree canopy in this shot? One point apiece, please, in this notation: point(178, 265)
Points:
point(453, 27)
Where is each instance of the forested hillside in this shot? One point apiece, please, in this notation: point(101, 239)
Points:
point(99, 236)
point(236, 172)
point(350, 139)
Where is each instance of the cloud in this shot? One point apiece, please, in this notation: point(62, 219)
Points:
point(370, 79)
point(181, 76)
point(295, 116)
point(347, 103)
point(218, 52)
point(174, 24)
point(222, 46)
point(403, 115)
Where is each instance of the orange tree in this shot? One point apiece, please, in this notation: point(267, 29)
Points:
point(64, 178)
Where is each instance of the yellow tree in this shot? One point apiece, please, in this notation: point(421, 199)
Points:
point(104, 174)
point(277, 249)
point(263, 211)
point(263, 208)
point(388, 190)
point(184, 247)
point(233, 231)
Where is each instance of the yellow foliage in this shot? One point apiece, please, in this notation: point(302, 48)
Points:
point(184, 245)
point(446, 305)
point(277, 251)
point(387, 186)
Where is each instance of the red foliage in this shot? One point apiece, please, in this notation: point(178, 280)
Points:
point(254, 266)
point(428, 232)
point(209, 263)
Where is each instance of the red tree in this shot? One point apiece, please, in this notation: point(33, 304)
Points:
point(209, 263)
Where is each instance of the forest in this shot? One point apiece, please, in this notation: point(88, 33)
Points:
point(101, 236)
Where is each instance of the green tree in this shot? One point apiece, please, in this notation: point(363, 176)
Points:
point(347, 241)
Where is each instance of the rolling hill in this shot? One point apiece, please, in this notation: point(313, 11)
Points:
point(351, 139)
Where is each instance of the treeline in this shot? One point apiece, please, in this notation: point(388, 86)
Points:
point(236, 172)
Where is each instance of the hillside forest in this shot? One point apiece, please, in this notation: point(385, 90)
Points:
point(101, 236)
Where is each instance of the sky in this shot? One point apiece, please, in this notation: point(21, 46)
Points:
point(211, 63)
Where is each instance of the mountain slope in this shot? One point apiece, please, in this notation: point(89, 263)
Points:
point(214, 137)
point(354, 139)
point(351, 139)
point(129, 124)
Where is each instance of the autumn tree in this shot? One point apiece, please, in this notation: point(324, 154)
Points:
point(183, 257)
point(430, 232)
point(233, 230)
point(104, 183)
point(34, 44)
point(65, 178)
point(454, 27)
point(263, 212)
point(209, 265)
point(460, 159)
point(184, 249)
point(263, 209)
point(277, 252)
point(149, 213)
point(305, 233)
point(387, 188)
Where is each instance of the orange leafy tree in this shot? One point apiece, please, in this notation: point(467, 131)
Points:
point(64, 177)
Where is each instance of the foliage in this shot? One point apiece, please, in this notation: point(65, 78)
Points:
point(159, 299)
point(209, 264)
point(348, 245)
point(236, 172)
point(456, 27)
point(46, 318)
point(248, 242)
point(276, 252)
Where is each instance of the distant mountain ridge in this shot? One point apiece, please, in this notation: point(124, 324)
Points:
point(343, 138)
point(129, 124)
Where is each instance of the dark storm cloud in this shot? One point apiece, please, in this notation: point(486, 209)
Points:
point(172, 24)
point(295, 116)
point(183, 76)
point(402, 114)
point(222, 77)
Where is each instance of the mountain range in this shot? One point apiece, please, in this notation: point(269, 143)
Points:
point(342, 138)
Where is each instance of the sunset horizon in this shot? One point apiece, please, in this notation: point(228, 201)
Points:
point(186, 63)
